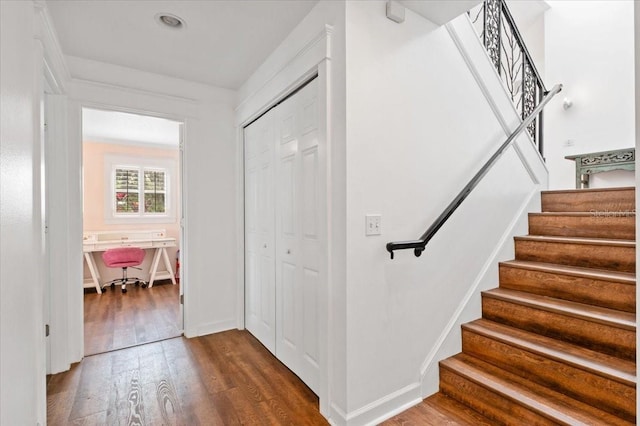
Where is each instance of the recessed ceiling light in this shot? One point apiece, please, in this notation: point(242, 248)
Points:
point(170, 21)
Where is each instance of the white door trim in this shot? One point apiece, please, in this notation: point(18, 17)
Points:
point(58, 236)
point(69, 304)
point(311, 58)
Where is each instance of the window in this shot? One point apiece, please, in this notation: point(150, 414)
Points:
point(139, 189)
point(128, 195)
point(154, 191)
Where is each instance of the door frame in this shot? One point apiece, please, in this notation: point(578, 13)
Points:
point(59, 273)
point(66, 304)
point(313, 59)
point(182, 122)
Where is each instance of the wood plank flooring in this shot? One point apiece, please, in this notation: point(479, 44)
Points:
point(439, 410)
point(113, 320)
point(227, 378)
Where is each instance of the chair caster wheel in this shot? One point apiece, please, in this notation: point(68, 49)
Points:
point(113, 285)
point(124, 290)
point(144, 285)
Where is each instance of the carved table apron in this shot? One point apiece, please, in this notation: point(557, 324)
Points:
point(597, 162)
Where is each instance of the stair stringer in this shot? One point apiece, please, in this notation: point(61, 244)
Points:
point(396, 310)
point(449, 342)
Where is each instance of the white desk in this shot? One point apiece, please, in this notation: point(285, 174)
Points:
point(93, 242)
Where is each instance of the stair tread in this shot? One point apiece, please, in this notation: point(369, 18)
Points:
point(439, 409)
point(544, 401)
point(592, 313)
point(608, 366)
point(576, 214)
point(600, 274)
point(587, 200)
point(585, 190)
point(577, 240)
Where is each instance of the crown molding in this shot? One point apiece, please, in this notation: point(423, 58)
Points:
point(55, 66)
point(299, 65)
point(98, 73)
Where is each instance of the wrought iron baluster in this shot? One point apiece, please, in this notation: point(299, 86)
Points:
point(541, 94)
point(492, 31)
point(527, 92)
point(529, 97)
point(509, 55)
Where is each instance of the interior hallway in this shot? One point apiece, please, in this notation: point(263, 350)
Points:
point(227, 378)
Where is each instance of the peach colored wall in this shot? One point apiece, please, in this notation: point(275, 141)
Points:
point(93, 191)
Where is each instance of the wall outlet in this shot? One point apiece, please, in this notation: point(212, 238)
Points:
point(373, 223)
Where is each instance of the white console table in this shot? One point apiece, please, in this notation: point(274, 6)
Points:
point(100, 241)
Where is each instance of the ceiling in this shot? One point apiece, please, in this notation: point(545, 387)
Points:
point(525, 13)
point(125, 128)
point(222, 43)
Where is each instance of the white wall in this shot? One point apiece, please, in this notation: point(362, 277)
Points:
point(209, 272)
point(97, 157)
point(399, 144)
point(636, 26)
point(418, 127)
point(311, 47)
point(408, 126)
point(22, 348)
point(589, 49)
point(529, 17)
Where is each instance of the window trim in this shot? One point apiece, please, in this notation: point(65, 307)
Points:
point(141, 163)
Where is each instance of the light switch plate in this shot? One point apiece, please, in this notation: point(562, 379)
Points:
point(373, 224)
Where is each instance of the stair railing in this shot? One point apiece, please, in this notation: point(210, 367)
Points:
point(418, 246)
point(508, 53)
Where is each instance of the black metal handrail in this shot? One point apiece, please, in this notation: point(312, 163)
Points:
point(513, 62)
point(418, 246)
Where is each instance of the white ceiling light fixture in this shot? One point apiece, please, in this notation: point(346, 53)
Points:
point(169, 20)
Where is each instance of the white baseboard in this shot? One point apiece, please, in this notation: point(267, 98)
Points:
point(449, 343)
point(379, 410)
point(216, 327)
point(337, 416)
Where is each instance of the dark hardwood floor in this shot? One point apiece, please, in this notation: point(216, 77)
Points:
point(439, 410)
point(113, 320)
point(227, 378)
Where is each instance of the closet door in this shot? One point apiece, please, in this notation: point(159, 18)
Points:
point(283, 230)
point(260, 302)
point(298, 253)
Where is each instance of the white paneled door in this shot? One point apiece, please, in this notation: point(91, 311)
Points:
point(260, 309)
point(293, 204)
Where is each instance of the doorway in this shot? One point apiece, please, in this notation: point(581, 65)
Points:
point(131, 198)
point(285, 263)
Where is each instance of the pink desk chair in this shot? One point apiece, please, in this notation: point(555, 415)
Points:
point(124, 257)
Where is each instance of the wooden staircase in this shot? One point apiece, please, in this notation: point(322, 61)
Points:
point(556, 343)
